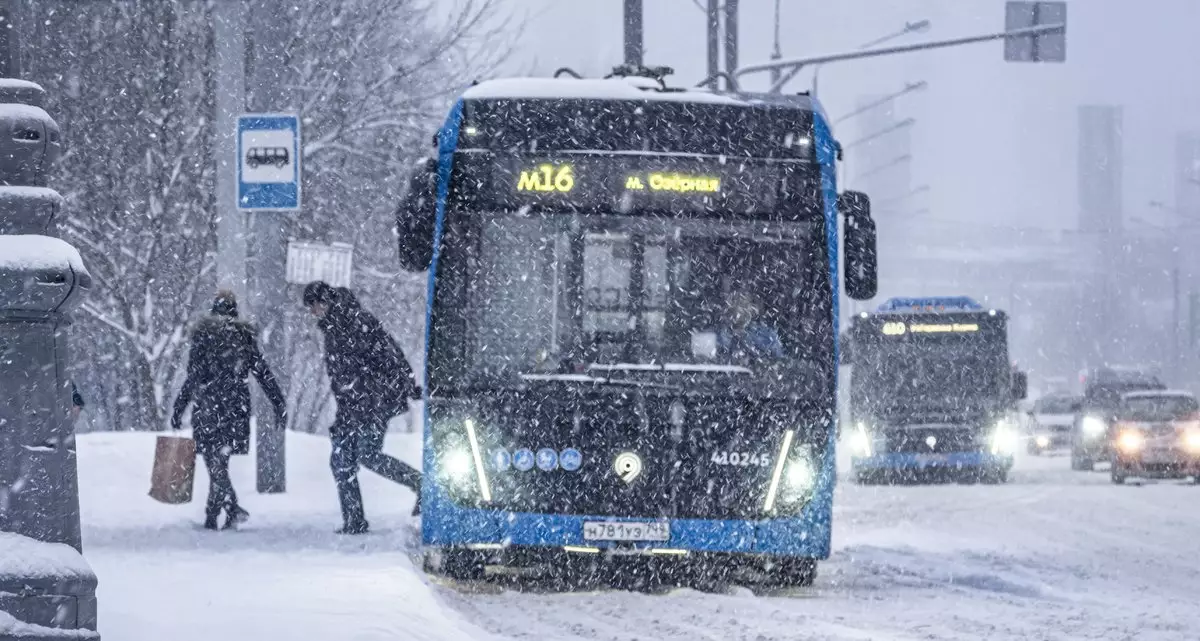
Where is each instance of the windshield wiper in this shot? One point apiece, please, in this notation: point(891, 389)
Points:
point(670, 367)
point(584, 378)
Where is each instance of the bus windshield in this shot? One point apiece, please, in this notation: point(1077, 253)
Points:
point(566, 294)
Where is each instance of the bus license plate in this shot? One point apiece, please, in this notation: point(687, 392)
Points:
point(626, 530)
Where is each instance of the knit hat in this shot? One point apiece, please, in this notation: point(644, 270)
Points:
point(225, 304)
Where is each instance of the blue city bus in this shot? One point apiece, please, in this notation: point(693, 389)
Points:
point(630, 343)
point(932, 391)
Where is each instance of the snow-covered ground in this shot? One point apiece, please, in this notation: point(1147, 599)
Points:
point(1054, 554)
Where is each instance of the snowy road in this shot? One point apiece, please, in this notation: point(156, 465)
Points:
point(1052, 555)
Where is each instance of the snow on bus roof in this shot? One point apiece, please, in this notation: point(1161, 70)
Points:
point(1158, 393)
point(620, 88)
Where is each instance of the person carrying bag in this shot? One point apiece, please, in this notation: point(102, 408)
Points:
point(224, 354)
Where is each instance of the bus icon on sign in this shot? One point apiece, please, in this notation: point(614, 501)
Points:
point(260, 156)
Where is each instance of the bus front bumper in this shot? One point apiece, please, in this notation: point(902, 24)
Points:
point(805, 535)
point(948, 461)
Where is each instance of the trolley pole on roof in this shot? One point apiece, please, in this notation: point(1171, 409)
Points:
point(731, 36)
point(634, 33)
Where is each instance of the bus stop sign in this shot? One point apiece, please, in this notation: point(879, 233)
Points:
point(268, 163)
point(1045, 47)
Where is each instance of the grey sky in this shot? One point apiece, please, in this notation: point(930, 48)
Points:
point(995, 141)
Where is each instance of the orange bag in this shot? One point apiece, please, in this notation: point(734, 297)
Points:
point(174, 469)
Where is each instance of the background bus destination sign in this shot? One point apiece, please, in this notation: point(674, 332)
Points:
point(678, 185)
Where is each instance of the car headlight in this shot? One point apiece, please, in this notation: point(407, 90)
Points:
point(1191, 441)
point(1042, 440)
point(1130, 441)
point(1092, 426)
point(1004, 439)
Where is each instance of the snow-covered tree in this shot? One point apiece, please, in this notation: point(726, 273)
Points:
point(132, 84)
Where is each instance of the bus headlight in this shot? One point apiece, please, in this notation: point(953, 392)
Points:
point(456, 466)
point(800, 477)
point(1131, 441)
point(1092, 426)
point(794, 475)
point(1004, 439)
point(860, 441)
point(460, 461)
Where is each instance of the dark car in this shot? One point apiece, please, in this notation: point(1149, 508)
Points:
point(1156, 435)
point(1050, 422)
point(1091, 433)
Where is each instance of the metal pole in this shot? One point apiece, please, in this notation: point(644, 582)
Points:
point(714, 38)
point(267, 249)
point(1175, 312)
point(731, 36)
point(776, 52)
point(229, 48)
point(891, 51)
point(10, 52)
point(633, 32)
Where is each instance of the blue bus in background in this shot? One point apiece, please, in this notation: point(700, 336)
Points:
point(932, 391)
point(631, 343)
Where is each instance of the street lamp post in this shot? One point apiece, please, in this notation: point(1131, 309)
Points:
point(919, 26)
point(1024, 33)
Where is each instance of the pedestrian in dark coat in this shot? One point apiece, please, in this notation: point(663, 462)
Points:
point(372, 382)
point(224, 354)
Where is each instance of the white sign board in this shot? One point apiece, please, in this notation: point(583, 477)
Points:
point(308, 262)
point(1049, 47)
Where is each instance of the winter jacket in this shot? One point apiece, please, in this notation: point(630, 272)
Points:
point(224, 354)
point(370, 378)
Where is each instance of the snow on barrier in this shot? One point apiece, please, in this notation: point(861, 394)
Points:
point(47, 591)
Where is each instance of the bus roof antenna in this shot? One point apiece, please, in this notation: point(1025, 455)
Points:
point(658, 73)
point(567, 71)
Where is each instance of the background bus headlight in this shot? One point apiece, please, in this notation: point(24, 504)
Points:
point(1131, 441)
point(860, 441)
point(1004, 439)
point(1092, 426)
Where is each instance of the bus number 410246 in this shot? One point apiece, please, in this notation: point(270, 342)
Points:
point(741, 459)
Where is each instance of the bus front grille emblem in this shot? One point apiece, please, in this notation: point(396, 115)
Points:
point(628, 466)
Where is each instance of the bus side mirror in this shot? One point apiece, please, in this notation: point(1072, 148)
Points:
point(415, 218)
point(1020, 386)
point(858, 240)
